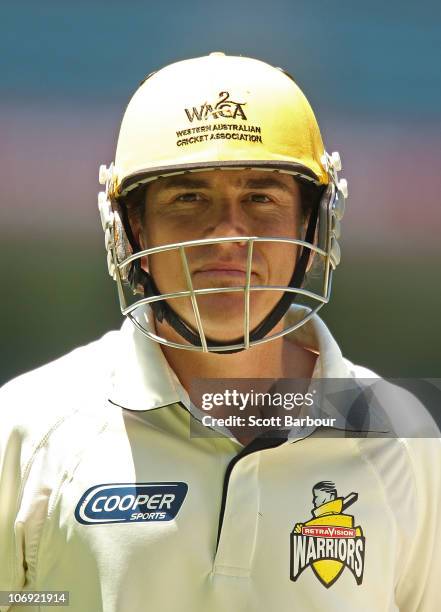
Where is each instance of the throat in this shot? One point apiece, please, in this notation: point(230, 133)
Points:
point(277, 359)
point(280, 358)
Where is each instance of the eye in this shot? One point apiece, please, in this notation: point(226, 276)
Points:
point(189, 197)
point(261, 198)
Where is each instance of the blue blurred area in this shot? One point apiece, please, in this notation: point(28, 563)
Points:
point(367, 58)
point(371, 72)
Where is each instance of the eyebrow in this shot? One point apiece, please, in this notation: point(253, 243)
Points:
point(186, 182)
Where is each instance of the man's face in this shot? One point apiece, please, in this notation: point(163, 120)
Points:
point(215, 204)
point(321, 497)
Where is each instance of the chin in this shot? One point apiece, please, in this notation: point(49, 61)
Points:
point(222, 316)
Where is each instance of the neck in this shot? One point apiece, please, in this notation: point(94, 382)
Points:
point(273, 360)
point(279, 358)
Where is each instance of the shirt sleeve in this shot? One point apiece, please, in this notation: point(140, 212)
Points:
point(24, 491)
point(418, 586)
point(12, 545)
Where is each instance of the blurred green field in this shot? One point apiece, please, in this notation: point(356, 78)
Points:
point(384, 310)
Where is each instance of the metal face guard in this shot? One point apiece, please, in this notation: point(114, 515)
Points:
point(138, 316)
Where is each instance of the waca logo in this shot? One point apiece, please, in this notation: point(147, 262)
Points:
point(223, 108)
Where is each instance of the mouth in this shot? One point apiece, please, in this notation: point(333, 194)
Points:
point(225, 270)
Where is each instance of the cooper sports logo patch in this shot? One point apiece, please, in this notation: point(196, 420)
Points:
point(329, 541)
point(131, 502)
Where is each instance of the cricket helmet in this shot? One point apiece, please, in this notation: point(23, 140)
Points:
point(212, 113)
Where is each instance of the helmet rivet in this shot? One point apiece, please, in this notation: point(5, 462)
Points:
point(336, 160)
point(343, 187)
point(103, 174)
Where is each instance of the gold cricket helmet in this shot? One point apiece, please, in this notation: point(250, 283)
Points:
point(218, 112)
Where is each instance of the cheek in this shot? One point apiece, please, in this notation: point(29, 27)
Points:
point(281, 260)
point(153, 234)
point(161, 229)
point(166, 269)
point(281, 223)
point(157, 233)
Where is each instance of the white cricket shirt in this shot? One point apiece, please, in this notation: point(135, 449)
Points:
point(104, 494)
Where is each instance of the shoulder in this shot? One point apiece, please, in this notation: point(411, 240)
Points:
point(404, 414)
point(358, 371)
point(35, 403)
point(407, 459)
point(48, 419)
point(81, 363)
point(409, 448)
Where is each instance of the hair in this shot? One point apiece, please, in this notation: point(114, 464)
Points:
point(134, 203)
point(326, 486)
point(310, 196)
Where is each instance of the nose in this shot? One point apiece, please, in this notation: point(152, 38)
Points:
point(229, 219)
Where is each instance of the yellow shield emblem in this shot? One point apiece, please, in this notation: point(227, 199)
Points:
point(329, 541)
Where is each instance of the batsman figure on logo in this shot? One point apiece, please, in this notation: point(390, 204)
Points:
point(328, 542)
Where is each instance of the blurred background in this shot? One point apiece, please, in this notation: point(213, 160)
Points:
point(370, 71)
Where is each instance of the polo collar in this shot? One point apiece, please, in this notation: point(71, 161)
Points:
point(143, 380)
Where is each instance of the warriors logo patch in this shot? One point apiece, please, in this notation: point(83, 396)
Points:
point(329, 541)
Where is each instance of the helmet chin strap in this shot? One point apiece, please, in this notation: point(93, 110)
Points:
point(164, 311)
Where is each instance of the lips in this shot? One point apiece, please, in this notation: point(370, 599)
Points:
point(222, 267)
point(221, 274)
